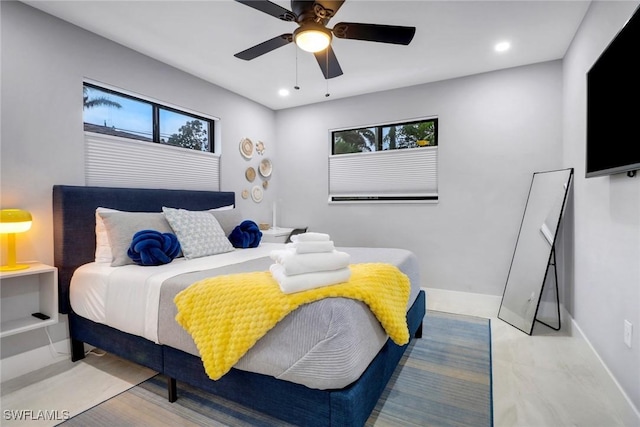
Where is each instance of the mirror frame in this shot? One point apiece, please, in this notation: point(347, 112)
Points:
point(551, 261)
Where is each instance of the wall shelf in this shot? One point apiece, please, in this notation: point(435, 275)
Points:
point(23, 292)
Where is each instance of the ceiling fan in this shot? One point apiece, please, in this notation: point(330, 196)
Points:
point(313, 35)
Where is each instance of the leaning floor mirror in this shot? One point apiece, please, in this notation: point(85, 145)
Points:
point(534, 254)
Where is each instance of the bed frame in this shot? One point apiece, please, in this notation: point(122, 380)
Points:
point(74, 245)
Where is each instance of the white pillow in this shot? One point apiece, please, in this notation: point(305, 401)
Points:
point(103, 248)
point(198, 232)
point(223, 208)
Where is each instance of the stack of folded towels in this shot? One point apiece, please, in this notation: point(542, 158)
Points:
point(310, 261)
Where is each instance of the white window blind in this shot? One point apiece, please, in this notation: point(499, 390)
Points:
point(393, 175)
point(120, 162)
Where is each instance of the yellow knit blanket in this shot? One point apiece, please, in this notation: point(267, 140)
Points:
point(226, 315)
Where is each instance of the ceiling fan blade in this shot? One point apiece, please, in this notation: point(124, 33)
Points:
point(269, 8)
point(265, 47)
point(328, 63)
point(374, 33)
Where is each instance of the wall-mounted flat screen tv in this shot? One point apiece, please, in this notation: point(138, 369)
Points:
point(613, 105)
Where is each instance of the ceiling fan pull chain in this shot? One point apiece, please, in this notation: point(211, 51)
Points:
point(327, 80)
point(296, 87)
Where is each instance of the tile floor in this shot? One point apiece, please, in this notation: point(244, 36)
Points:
point(548, 379)
point(551, 378)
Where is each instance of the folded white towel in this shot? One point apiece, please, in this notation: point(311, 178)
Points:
point(312, 247)
point(295, 263)
point(303, 282)
point(310, 236)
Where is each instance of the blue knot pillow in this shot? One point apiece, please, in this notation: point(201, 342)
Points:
point(151, 247)
point(246, 235)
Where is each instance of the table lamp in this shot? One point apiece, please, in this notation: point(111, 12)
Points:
point(13, 221)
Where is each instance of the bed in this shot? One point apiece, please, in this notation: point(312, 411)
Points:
point(289, 397)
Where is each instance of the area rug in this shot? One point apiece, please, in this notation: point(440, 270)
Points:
point(444, 379)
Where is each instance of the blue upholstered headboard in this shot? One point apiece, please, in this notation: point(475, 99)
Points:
point(74, 210)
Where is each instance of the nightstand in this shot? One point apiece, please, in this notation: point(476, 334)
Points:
point(276, 235)
point(23, 292)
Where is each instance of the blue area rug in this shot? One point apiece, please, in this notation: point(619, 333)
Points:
point(444, 379)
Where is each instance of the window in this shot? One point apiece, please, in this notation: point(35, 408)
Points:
point(117, 114)
point(394, 162)
point(129, 141)
point(397, 136)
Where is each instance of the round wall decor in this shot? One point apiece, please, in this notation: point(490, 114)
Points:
point(246, 148)
point(250, 174)
point(265, 168)
point(256, 193)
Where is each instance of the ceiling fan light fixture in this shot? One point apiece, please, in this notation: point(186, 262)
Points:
point(312, 38)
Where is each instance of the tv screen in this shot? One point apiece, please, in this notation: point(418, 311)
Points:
point(613, 105)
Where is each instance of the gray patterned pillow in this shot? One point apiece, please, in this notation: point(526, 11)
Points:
point(198, 232)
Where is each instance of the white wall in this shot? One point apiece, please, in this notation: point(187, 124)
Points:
point(604, 278)
point(495, 130)
point(44, 61)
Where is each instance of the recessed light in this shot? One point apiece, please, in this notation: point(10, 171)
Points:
point(502, 47)
point(283, 92)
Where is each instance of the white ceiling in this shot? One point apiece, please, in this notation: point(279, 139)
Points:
point(453, 39)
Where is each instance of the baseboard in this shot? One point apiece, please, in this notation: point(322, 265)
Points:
point(459, 302)
point(32, 360)
point(632, 406)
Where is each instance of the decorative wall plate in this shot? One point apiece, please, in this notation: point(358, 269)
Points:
point(246, 148)
point(250, 174)
point(260, 148)
point(256, 193)
point(265, 168)
point(245, 194)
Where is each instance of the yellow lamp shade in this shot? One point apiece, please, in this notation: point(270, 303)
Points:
point(13, 221)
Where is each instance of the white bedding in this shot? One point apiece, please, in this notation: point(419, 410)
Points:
point(109, 295)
